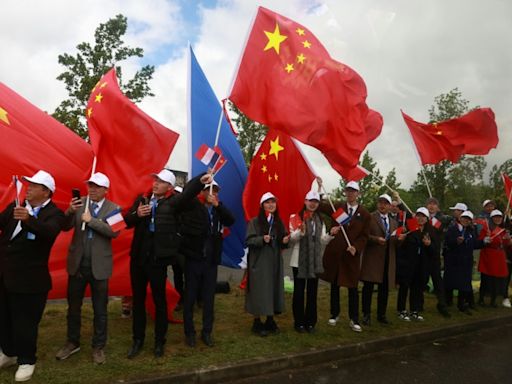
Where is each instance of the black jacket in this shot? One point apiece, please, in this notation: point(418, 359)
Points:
point(24, 262)
point(196, 229)
point(160, 247)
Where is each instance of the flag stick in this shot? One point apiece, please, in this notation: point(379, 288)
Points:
point(334, 210)
point(15, 182)
point(87, 199)
point(392, 190)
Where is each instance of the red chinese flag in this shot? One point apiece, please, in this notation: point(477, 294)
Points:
point(288, 81)
point(474, 133)
point(412, 224)
point(277, 167)
point(129, 144)
point(508, 187)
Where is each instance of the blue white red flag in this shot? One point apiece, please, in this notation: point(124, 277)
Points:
point(341, 216)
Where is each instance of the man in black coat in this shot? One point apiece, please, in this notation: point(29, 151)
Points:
point(202, 229)
point(28, 232)
point(154, 247)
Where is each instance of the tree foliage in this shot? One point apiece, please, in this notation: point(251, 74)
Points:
point(84, 70)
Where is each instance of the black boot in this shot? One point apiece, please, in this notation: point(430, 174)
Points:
point(136, 348)
point(271, 326)
point(258, 328)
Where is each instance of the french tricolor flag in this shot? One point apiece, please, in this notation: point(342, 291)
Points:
point(436, 223)
point(116, 221)
point(207, 155)
point(341, 216)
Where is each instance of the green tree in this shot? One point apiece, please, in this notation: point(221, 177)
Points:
point(450, 182)
point(91, 62)
point(496, 189)
point(250, 133)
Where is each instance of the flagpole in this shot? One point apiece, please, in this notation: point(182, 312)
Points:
point(418, 158)
point(87, 199)
point(392, 190)
point(334, 210)
point(509, 195)
point(15, 181)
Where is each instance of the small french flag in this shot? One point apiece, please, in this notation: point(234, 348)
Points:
point(436, 223)
point(207, 155)
point(341, 216)
point(116, 221)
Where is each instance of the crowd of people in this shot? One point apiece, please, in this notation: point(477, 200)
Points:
point(391, 247)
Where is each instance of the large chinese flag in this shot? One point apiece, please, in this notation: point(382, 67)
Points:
point(474, 133)
point(288, 81)
point(30, 140)
point(507, 182)
point(129, 145)
point(280, 168)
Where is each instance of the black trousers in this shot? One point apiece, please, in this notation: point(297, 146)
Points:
point(99, 296)
point(177, 272)
point(20, 314)
point(156, 277)
point(200, 281)
point(415, 292)
point(304, 317)
point(492, 285)
point(353, 302)
point(382, 293)
point(434, 271)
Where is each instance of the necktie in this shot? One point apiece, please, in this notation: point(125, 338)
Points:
point(153, 203)
point(386, 225)
point(35, 212)
point(94, 213)
point(350, 211)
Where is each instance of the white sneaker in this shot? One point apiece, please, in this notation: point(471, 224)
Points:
point(404, 316)
point(506, 303)
point(355, 327)
point(416, 316)
point(6, 361)
point(332, 321)
point(24, 372)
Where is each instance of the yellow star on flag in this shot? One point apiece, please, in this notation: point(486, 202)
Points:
point(269, 178)
point(3, 116)
point(89, 112)
point(275, 148)
point(103, 85)
point(274, 39)
point(264, 169)
point(263, 156)
point(276, 177)
point(98, 98)
point(306, 44)
point(300, 31)
point(289, 68)
point(301, 58)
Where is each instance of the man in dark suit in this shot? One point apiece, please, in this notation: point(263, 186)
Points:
point(28, 232)
point(202, 228)
point(341, 261)
point(89, 262)
point(155, 246)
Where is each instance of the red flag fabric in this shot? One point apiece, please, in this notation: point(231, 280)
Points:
point(277, 167)
point(507, 182)
point(474, 133)
point(129, 144)
point(412, 224)
point(288, 81)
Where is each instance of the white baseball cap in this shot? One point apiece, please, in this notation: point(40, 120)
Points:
point(100, 179)
point(267, 196)
point(312, 195)
point(467, 214)
point(352, 185)
point(386, 197)
point(43, 178)
point(178, 189)
point(460, 207)
point(214, 183)
point(423, 211)
point(486, 202)
point(165, 175)
point(496, 212)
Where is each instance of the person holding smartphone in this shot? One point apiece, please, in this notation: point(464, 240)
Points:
point(89, 262)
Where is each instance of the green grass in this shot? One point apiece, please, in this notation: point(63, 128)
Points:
point(233, 340)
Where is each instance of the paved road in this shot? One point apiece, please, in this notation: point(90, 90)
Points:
point(484, 357)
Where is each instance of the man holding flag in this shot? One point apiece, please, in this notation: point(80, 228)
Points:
point(89, 262)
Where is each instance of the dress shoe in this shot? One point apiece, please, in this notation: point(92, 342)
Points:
point(135, 349)
point(98, 356)
point(300, 328)
point(366, 320)
point(271, 326)
point(159, 349)
point(207, 339)
point(310, 329)
point(258, 328)
point(190, 340)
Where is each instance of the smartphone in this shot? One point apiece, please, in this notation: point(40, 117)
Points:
point(75, 193)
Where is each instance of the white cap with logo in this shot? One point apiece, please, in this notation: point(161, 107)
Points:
point(100, 179)
point(486, 202)
point(43, 178)
point(423, 211)
point(312, 195)
point(496, 212)
point(352, 185)
point(166, 176)
point(460, 207)
point(267, 196)
point(386, 197)
point(467, 214)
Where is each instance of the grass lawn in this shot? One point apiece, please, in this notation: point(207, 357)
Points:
point(234, 341)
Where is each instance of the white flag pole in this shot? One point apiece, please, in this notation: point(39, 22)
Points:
point(87, 199)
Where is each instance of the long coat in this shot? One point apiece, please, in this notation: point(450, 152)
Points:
point(265, 285)
point(24, 262)
point(414, 256)
point(372, 267)
point(458, 258)
point(340, 266)
point(493, 259)
point(101, 242)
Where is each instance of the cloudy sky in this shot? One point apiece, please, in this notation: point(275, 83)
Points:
point(407, 51)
